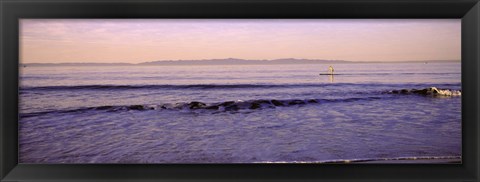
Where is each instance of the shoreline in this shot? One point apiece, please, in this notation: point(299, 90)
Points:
point(400, 160)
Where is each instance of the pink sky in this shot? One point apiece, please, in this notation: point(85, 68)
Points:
point(141, 40)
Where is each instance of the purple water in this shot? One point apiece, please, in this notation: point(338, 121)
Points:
point(279, 113)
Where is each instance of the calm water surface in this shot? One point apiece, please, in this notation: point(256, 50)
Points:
point(237, 114)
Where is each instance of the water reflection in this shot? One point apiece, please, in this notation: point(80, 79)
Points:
point(331, 79)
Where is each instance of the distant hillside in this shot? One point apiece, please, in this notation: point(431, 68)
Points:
point(228, 61)
point(233, 61)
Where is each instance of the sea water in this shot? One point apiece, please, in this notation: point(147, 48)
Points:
point(238, 113)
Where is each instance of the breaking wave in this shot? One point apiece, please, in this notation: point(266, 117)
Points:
point(434, 91)
point(249, 104)
point(195, 105)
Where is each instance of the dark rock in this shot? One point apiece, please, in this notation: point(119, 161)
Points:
point(225, 104)
point(136, 107)
point(258, 104)
point(296, 102)
point(196, 105)
point(212, 107)
point(395, 91)
point(277, 103)
point(312, 101)
point(262, 101)
point(255, 105)
point(404, 91)
point(423, 91)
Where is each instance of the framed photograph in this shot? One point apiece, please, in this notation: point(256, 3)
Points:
point(239, 90)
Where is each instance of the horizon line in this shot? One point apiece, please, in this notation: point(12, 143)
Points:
point(219, 59)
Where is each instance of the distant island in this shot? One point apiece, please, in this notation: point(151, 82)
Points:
point(229, 61)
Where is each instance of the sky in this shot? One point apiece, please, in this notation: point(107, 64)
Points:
point(142, 40)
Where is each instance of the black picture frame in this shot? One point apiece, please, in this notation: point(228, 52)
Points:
point(13, 10)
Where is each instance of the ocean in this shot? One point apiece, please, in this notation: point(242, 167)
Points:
point(239, 113)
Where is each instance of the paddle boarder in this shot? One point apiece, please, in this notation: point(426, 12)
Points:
point(330, 70)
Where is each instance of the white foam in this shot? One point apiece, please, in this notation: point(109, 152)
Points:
point(445, 92)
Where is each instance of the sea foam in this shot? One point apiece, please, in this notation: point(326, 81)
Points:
point(434, 91)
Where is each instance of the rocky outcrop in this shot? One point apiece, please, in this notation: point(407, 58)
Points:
point(196, 105)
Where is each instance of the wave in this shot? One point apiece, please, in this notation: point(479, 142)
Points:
point(434, 91)
point(434, 159)
point(250, 104)
point(195, 105)
point(207, 86)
